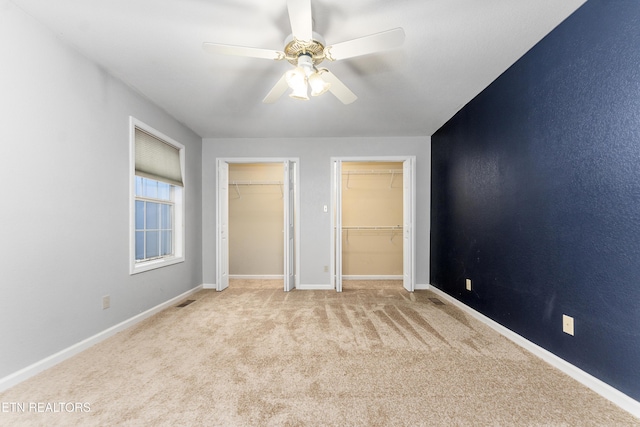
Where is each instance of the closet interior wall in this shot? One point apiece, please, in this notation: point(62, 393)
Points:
point(256, 219)
point(372, 203)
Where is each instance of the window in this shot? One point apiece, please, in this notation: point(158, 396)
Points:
point(154, 219)
point(157, 208)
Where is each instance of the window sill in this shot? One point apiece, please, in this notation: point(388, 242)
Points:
point(141, 267)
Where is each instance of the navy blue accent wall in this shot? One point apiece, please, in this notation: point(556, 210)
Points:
point(536, 195)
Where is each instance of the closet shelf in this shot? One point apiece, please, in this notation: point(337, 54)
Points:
point(392, 172)
point(237, 185)
point(255, 182)
point(372, 227)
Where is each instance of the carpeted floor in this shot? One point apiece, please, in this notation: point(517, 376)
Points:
point(253, 355)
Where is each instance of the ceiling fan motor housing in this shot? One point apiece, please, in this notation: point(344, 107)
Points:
point(294, 48)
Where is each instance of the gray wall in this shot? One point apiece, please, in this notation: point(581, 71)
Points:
point(64, 222)
point(315, 190)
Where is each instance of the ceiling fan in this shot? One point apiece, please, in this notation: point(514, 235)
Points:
point(306, 49)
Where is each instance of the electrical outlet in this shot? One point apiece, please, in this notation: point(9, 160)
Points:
point(468, 284)
point(567, 324)
point(326, 268)
point(325, 209)
point(106, 302)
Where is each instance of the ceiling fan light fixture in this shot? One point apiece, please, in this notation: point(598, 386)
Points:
point(296, 78)
point(297, 81)
point(318, 85)
point(305, 62)
point(300, 93)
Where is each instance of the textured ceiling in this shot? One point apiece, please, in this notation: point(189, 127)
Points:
point(453, 49)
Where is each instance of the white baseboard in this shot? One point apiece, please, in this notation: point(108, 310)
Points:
point(257, 276)
point(328, 287)
point(311, 287)
point(603, 389)
point(321, 287)
point(46, 363)
point(372, 277)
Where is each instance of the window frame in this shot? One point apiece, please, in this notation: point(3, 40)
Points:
point(179, 206)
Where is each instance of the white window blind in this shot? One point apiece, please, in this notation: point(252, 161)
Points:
point(155, 159)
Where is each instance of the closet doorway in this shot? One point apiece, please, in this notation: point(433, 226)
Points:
point(257, 221)
point(373, 202)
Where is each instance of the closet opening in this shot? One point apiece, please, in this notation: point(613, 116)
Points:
point(373, 224)
point(256, 215)
point(257, 224)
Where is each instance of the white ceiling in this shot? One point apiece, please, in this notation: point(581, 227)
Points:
point(453, 49)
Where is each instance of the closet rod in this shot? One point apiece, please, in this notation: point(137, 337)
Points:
point(372, 171)
point(392, 228)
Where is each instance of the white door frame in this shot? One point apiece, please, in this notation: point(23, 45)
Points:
point(222, 225)
point(409, 224)
point(220, 248)
point(336, 224)
point(409, 216)
point(290, 183)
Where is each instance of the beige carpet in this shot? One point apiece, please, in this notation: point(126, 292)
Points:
point(254, 355)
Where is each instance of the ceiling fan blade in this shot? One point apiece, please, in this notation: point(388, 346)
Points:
point(277, 91)
point(252, 52)
point(300, 18)
point(337, 87)
point(367, 44)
